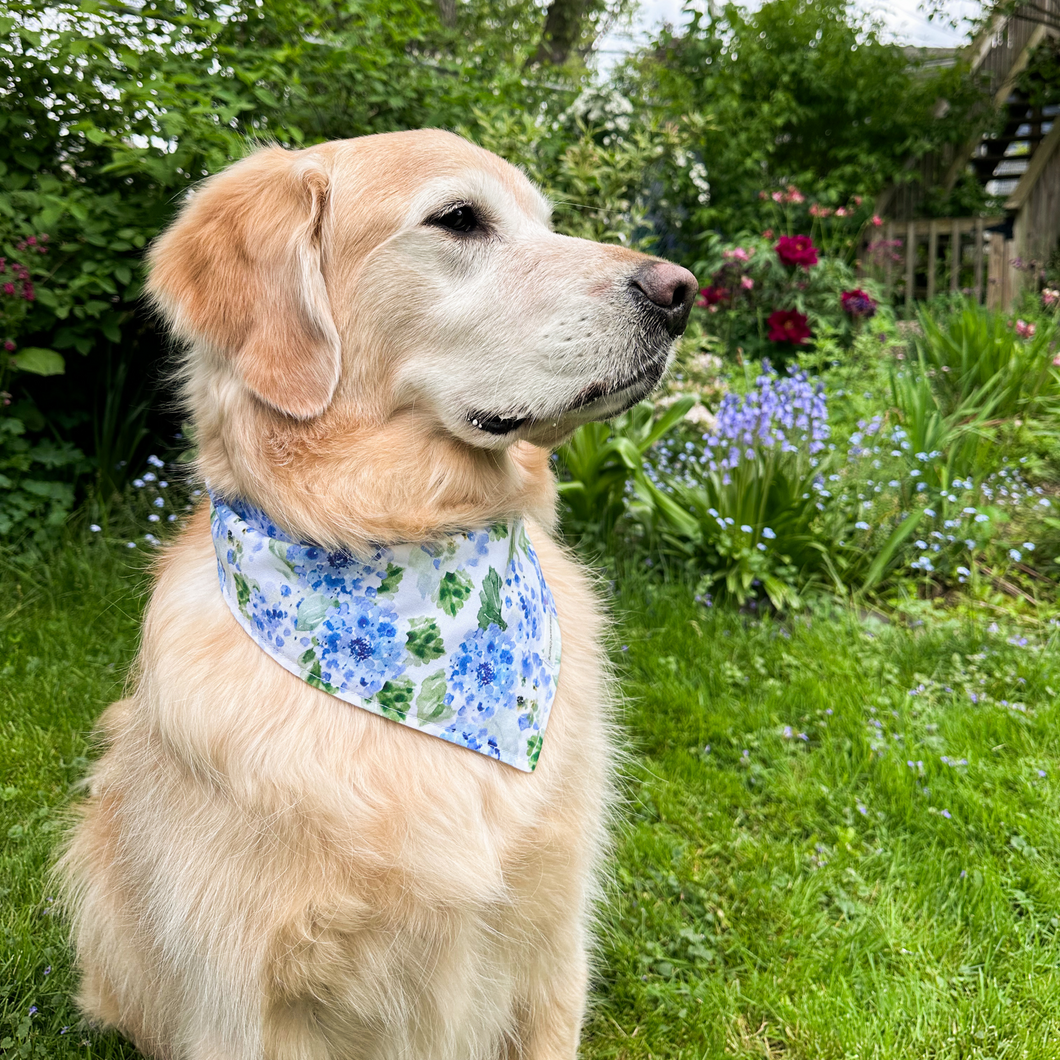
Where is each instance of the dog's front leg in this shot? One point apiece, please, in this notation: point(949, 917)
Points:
point(551, 1015)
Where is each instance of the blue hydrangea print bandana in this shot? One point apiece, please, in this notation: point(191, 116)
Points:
point(458, 639)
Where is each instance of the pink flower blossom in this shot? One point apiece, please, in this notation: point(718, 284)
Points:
point(877, 220)
point(841, 211)
point(794, 195)
point(9, 288)
point(817, 210)
point(1025, 330)
point(1050, 296)
point(858, 200)
point(777, 196)
point(737, 254)
point(746, 283)
point(9, 345)
point(768, 233)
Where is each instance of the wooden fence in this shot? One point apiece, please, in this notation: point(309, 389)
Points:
point(917, 260)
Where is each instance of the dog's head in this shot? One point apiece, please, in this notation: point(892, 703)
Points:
point(408, 282)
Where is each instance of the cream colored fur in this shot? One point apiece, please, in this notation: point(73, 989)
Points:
point(261, 870)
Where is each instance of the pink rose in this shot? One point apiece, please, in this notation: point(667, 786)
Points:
point(737, 254)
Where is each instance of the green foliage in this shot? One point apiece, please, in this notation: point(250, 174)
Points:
point(958, 442)
point(602, 461)
point(36, 494)
point(745, 511)
point(1040, 78)
point(974, 357)
point(786, 884)
point(799, 91)
point(597, 160)
point(112, 112)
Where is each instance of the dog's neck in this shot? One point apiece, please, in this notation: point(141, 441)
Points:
point(349, 485)
point(458, 639)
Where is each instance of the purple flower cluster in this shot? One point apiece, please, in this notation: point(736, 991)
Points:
point(788, 413)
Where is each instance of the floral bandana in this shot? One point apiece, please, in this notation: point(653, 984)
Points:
point(458, 639)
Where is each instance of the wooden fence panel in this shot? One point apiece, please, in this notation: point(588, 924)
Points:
point(942, 254)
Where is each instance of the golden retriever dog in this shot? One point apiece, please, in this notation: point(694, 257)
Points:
point(383, 339)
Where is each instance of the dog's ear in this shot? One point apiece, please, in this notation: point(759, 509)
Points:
point(240, 269)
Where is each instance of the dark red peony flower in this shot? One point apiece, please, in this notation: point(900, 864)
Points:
point(858, 303)
point(796, 250)
point(788, 325)
point(712, 295)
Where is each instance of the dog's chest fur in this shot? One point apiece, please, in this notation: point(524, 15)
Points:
point(309, 872)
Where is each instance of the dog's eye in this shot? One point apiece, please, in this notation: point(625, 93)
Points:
point(462, 219)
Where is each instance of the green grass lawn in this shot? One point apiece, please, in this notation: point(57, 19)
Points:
point(839, 838)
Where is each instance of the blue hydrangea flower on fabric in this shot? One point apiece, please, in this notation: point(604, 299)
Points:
point(325, 571)
point(476, 667)
point(482, 674)
point(272, 621)
point(362, 637)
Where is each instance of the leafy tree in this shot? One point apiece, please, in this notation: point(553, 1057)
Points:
point(112, 111)
point(800, 91)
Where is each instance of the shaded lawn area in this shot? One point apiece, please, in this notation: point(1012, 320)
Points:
point(839, 839)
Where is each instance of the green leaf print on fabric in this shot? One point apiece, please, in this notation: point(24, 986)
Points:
point(424, 639)
point(453, 591)
point(489, 614)
point(313, 678)
point(279, 550)
point(390, 583)
point(395, 698)
point(498, 531)
point(242, 592)
point(430, 703)
point(533, 750)
point(311, 611)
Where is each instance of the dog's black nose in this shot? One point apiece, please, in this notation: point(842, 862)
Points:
point(669, 288)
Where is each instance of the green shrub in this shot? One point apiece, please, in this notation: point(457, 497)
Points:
point(771, 296)
point(977, 360)
point(601, 463)
point(745, 508)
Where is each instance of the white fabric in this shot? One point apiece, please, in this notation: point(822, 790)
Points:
point(458, 638)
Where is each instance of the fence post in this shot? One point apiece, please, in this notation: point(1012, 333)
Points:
point(910, 268)
point(955, 255)
point(979, 260)
point(933, 255)
point(995, 272)
point(1011, 279)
